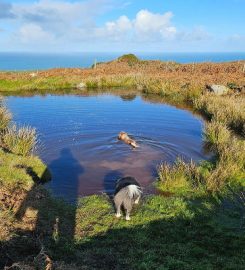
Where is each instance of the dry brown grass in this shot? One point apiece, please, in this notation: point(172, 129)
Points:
point(139, 73)
point(228, 110)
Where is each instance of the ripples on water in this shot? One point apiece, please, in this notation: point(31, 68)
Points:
point(79, 139)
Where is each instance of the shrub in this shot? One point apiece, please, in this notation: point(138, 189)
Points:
point(20, 141)
point(129, 58)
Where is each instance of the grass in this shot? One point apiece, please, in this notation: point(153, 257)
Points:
point(180, 178)
point(5, 118)
point(33, 84)
point(227, 169)
point(20, 141)
point(228, 110)
point(165, 232)
point(216, 133)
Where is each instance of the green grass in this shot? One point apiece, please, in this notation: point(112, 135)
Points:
point(164, 233)
point(32, 84)
point(13, 170)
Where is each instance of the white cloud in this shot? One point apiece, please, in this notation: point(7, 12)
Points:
point(75, 21)
point(59, 24)
point(114, 30)
point(153, 25)
point(59, 16)
point(33, 34)
point(146, 26)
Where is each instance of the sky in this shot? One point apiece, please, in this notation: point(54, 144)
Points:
point(122, 25)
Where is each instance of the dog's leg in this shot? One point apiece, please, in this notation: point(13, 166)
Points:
point(118, 214)
point(118, 204)
point(128, 207)
point(137, 200)
point(128, 215)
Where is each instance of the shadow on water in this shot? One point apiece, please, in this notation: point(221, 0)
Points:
point(110, 181)
point(71, 171)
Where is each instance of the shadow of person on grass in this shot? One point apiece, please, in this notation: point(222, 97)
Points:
point(164, 234)
point(48, 221)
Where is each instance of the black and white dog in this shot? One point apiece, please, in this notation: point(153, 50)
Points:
point(127, 192)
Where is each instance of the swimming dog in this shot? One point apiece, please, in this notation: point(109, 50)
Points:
point(123, 136)
point(127, 192)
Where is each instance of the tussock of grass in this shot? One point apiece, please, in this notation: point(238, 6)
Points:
point(216, 133)
point(111, 82)
point(179, 178)
point(5, 118)
point(20, 141)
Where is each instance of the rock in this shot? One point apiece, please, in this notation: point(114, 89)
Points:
point(33, 74)
point(217, 89)
point(81, 85)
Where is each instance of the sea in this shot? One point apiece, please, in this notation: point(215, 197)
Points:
point(13, 61)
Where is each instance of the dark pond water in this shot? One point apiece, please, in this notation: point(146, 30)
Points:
point(78, 135)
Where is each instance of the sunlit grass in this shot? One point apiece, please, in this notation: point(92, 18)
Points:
point(229, 110)
point(20, 141)
point(5, 118)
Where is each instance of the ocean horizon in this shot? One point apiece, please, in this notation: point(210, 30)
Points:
point(17, 61)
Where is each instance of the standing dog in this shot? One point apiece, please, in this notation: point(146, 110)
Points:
point(123, 136)
point(127, 192)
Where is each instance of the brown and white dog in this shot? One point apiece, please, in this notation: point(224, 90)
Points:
point(123, 136)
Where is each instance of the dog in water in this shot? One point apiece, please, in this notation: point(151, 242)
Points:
point(123, 136)
point(127, 192)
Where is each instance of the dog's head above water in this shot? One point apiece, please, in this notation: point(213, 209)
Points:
point(122, 136)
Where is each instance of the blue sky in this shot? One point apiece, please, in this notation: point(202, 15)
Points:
point(122, 25)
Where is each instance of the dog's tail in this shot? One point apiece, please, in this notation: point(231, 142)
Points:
point(133, 191)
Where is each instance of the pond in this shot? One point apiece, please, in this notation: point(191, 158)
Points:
point(78, 138)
